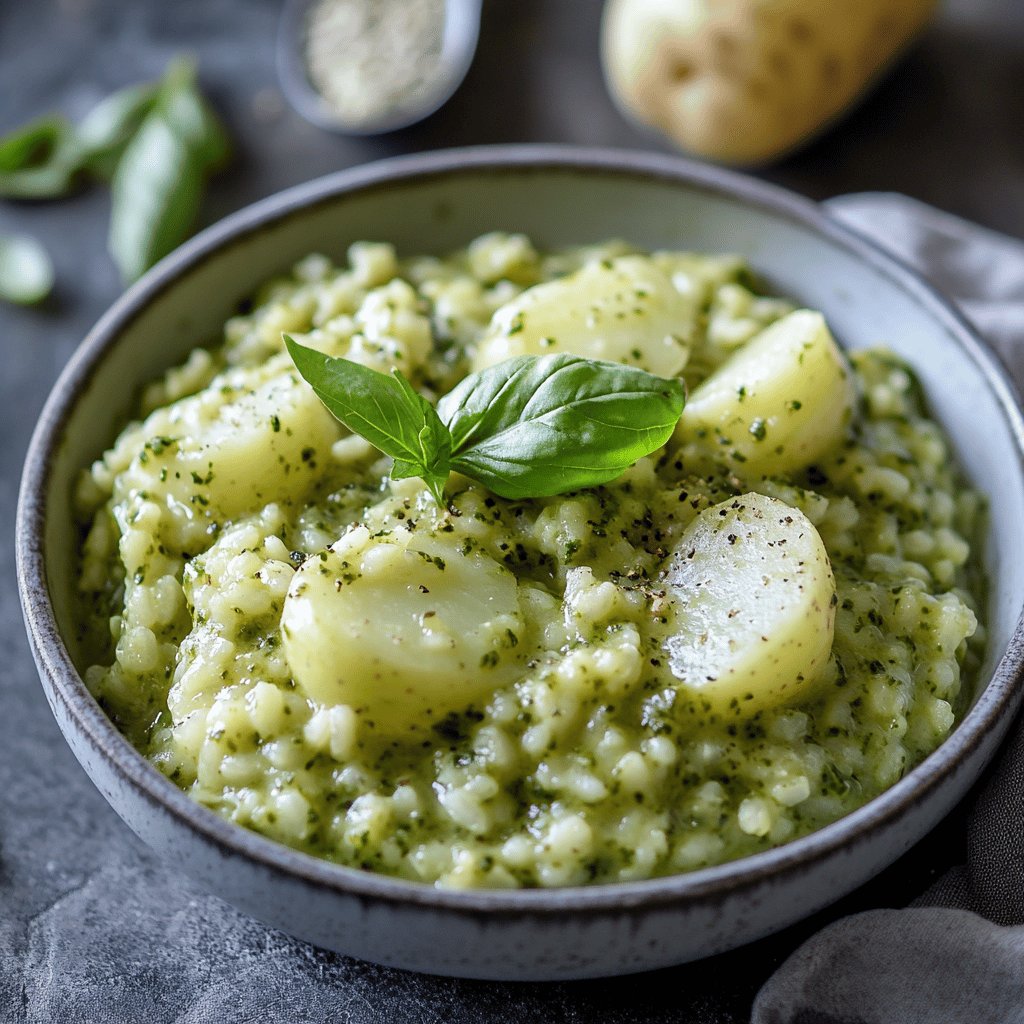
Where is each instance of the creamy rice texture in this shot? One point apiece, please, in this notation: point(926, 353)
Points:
point(575, 756)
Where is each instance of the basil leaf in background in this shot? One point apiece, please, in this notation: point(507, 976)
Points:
point(155, 197)
point(159, 180)
point(534, 426)
point(32, 144)
point(40, 160)
point(106, 130)
point(26, 273)
point(158, 143)
point(386, 410)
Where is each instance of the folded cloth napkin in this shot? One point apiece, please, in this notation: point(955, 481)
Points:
point(957, 955)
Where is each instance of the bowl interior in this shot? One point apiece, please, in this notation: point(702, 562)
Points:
point(186, 302)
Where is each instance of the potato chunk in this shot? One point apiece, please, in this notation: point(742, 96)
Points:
point(742, 82)
point(624, 310)
point(257, 447)
point(403, 628)
point(255, 438)
point(755, 605)
point(780, 403)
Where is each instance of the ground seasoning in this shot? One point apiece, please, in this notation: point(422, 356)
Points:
point(372, 58)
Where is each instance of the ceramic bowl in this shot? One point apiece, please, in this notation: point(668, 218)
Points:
point(558, 196)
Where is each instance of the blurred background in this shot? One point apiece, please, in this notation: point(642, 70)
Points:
point(92, 926)
point(943, 124)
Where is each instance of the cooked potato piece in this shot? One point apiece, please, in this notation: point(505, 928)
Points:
point(403, 629)
point(258, 446)
point(212, 456)
point(743, 82)
point(624, 310)
point(781, 402)
point(754, 605)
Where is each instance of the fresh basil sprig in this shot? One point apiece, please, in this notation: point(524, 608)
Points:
point(156, 142)
point(530, 427)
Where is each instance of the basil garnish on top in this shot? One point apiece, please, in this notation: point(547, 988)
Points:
point(529, 427)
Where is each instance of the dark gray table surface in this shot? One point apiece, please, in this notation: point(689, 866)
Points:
point(95, 927)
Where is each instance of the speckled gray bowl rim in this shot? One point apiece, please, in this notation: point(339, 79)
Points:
point(996, 700)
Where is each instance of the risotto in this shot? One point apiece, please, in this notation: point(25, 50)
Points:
point(747, 635)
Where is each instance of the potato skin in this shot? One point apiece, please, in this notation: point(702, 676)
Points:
point(744, 81)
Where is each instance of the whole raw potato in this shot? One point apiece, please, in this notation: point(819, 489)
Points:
point(742, 81)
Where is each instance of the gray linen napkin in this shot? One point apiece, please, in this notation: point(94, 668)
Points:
point(957, 956)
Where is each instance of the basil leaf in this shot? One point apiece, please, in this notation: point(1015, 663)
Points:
point(106, 130)
point(26, 273)
point(386, 410)
point(154, 198)
point(533, 426)
point(158, 183)
point(527, 428)
point(185, 108)
point(32, 144)
point(39, 161)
